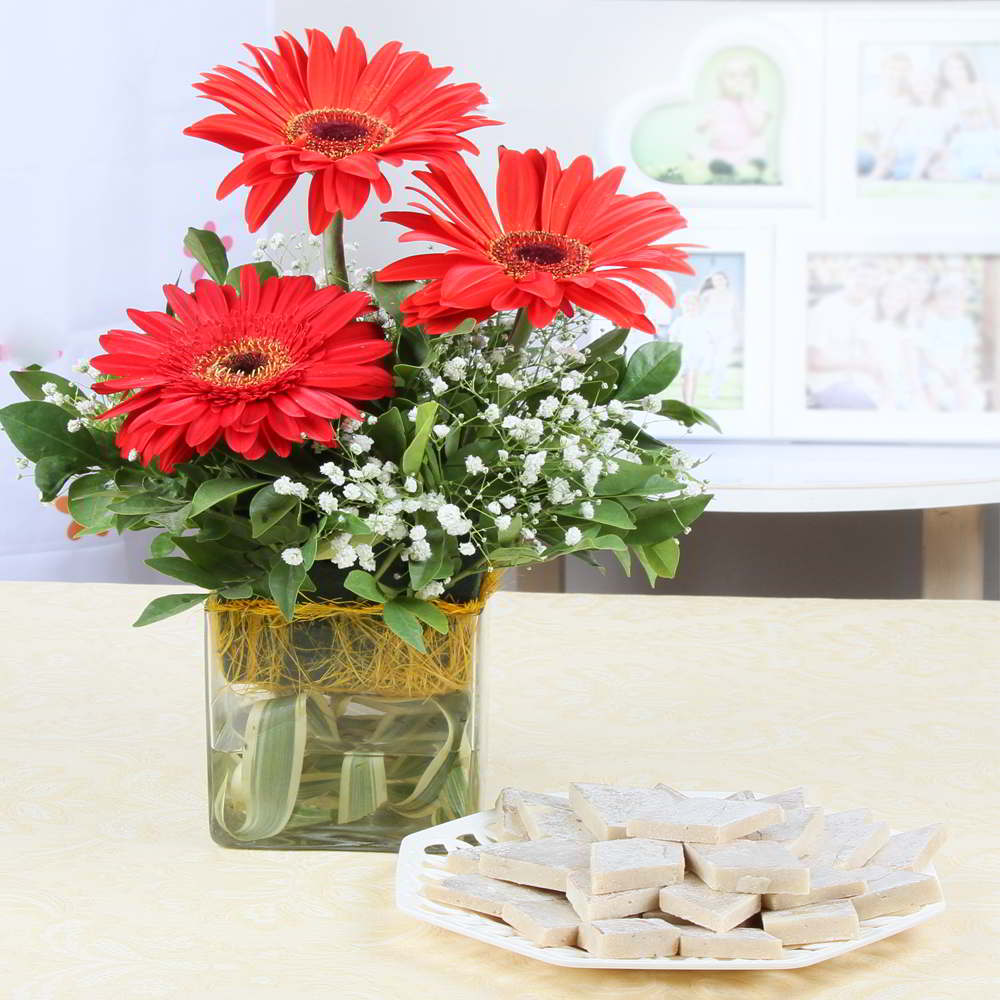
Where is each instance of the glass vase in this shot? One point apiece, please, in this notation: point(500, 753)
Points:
point(331, 733)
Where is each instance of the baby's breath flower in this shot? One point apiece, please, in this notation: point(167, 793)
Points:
point(438, 385)
point(433, 589)
point(284, 486)
point(452, 520)
point(418, 532)
point(420, 550)
point(467, 549)
point(74, 425)
point(360, 443)
point(333, 472)
point(327, 502)
point(292, 556)
point(573, 536)
point(441, 430)
point(475, 466)
point(366, 557)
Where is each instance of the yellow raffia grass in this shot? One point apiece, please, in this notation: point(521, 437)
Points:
point(358, 654)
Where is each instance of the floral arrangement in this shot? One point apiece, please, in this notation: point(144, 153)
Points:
point(390, 436)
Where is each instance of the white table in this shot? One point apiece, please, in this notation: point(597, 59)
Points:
point(951, 484)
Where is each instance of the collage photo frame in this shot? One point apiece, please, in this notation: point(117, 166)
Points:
point(846, 170)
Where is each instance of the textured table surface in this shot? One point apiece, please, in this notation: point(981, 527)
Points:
point(111, 887)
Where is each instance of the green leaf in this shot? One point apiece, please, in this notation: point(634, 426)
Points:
point(144, 503)
point(634, 479)
point(605, 512)
point(686, 415)
point(404, 623)
point(31, 380)
point(390, 435)
point(237, 592)
point(390, 294)
point(216, 490)
point(267, 508)
point(284, 582)
point(648, 564)
point(433, 777)
point(206, 248)
point(162, 545)
point(363, 786)
point(512, 531)
point(650, 370)
point(88, 501)
point(364, 585)
point(606, 344)
point(271, 769)
point(38, 430)
point(339, 521)
point(665, 519)
point(421, 573)
point(264, 268)
point(414, 455)
point(466, 326)
point(426, 612)
point(185, 571)
point(514, 555)
point(668, 554)
point(173, 520)
point(51, 474)
point(625, 559)
point(163, 607)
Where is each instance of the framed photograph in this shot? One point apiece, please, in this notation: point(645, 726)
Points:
point(891, 337)
point(734, 123)
point(722, 319)
point(915, 116)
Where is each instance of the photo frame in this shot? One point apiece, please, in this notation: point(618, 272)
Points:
point(722, 318)
point(914, 117)
point(887, 337)
point(743, 99)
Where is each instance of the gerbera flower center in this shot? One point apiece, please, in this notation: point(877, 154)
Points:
point(337, 132)
point(243, 362)
point(519, 253)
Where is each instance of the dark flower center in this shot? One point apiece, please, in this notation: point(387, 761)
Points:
point(543, 254)
point(520, 253)
point(242, 361)
point(245, 362)
point(337, 132)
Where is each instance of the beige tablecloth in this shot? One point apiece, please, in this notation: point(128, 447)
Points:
point(110, 887)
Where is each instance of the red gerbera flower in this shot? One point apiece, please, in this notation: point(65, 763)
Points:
point(565, 238)
point(333, 114)
point(261, 369)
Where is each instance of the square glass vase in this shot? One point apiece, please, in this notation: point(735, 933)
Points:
point(331, 733)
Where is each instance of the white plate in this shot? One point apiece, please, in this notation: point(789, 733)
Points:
point(412, 869)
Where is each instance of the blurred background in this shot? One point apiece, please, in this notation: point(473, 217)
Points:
point(839, 162)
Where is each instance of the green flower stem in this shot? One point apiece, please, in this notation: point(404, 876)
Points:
point(334, 260)
point(522, 330)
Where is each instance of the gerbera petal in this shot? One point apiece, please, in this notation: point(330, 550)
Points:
point(278, 123)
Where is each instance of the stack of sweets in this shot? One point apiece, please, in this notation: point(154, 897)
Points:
point(634, 873)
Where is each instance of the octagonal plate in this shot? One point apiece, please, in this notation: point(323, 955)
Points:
point(415, 865)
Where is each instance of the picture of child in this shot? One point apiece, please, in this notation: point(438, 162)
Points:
point(707, 322)
point(728, 133)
